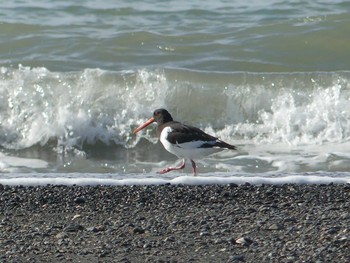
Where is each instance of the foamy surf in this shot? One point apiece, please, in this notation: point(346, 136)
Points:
point(153, 179)
point(92, 106)
point(16, 164)
point(82, 121)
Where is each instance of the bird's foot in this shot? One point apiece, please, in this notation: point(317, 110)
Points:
point(166, 170)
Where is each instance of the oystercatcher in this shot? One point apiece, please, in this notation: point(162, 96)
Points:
point(184, 141)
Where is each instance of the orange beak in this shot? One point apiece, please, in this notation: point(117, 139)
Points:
point(151, 120)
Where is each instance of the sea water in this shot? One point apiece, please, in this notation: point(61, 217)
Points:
point(272, 77)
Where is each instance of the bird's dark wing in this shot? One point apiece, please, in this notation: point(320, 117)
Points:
point(182, 133)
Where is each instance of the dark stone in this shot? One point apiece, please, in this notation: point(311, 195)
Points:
point(73, 228)
point(79, 200)
point(139, 230)
point(237, 258)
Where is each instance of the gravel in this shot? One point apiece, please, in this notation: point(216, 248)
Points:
point(167, 223)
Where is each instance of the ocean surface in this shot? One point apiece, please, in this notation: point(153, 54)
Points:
point(76, 77)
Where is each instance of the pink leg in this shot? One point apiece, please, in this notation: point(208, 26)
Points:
point(193, 167)
point(174, 168)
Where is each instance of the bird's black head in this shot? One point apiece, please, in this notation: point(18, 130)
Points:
point(162, 116)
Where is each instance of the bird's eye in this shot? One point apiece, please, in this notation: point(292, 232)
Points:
point(156, 113)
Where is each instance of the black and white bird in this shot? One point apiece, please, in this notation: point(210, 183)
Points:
point(184, 141)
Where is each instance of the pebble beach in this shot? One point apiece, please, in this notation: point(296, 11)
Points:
point(167, 223)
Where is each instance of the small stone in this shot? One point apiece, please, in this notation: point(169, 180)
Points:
point(76, 216)
point(139, 230)
point(231, 240)
point(204, 233)
point(61, 235)
point(291, 219)
point(146, 246)
point(276, 227)
point(203, 222)
point(333, 230)
point(170, 239)
point(244, 241)
point(103, 253)
point(59, 255)
point(226, 194)
point(79, 200)
point(217, 241)
point(85, 251)
point(236, 258)
point(96, 229)
point(73, 228)
point(342, 239)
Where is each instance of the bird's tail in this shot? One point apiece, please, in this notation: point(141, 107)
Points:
point(223, 144)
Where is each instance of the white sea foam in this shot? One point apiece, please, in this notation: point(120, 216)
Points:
point(17, 164)
point(152, 179)
point(75, 107)
point(286, 122)
point(96, 105)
